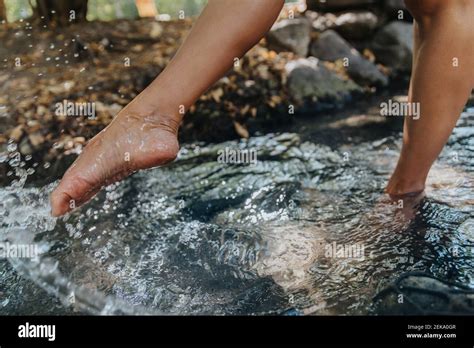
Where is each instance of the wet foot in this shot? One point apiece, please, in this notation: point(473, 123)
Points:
point(407, 179)
point(406, 195)
point(133, 141)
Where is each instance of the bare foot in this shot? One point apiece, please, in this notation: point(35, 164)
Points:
point(399, 190)
point(406, 194)
point(132, 141)
point(405, 181)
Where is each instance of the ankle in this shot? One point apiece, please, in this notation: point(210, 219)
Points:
point(154, 116)
point(398, 186)
point(165, 122)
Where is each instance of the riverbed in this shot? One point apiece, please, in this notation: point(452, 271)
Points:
point(305, 229)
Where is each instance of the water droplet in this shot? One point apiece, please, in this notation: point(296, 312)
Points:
point(15, 160)
point(12, 147)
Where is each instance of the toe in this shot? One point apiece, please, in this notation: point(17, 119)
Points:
point(59, 203)
point(71, 192)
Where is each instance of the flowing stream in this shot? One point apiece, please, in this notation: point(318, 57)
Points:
point(304, 230)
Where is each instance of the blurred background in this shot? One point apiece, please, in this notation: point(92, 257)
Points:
point(107, 9)
point(105, 52)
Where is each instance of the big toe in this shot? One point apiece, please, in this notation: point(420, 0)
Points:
point(71, 192)
point(59, 203)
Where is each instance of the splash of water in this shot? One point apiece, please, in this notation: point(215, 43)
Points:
point(306, 227)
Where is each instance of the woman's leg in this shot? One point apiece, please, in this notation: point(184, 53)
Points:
point(442, 80)
point(144, 133)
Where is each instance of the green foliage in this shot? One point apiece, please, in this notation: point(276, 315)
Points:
point(113, 9)
point(17, 9)
point(190, 7)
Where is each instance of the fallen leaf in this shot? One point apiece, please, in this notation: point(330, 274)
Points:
point(241, 130)
point(16, 133)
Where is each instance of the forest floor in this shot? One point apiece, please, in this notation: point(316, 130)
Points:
point(107, 64)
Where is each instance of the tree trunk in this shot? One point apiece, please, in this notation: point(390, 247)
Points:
point(61, 12)
point(3, 11)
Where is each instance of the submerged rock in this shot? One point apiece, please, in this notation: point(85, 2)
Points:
point(330, 46)
point(290, 35)
point(393, 45)
point(423, 294)
point(308, 78)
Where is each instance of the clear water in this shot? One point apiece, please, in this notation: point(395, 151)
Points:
point(202, 237)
